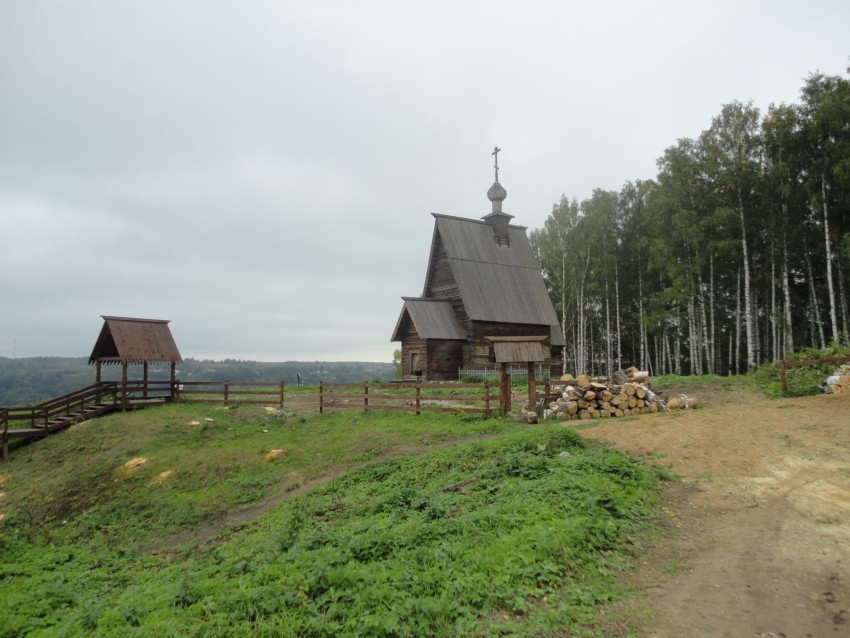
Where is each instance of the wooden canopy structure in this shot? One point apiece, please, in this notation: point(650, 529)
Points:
point(131, 341)
point(517, 349)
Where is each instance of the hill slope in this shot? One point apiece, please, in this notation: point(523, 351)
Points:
point(203, 519)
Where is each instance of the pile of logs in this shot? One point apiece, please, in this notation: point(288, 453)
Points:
point(627, 393)
point(839, 381)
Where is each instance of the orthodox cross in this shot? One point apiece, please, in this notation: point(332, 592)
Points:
point(495, 153)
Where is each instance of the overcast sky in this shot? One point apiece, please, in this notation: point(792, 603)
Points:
point(262, 173)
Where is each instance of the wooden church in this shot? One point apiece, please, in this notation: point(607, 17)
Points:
point(484, 301)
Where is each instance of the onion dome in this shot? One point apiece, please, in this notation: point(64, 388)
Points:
point(497, 195)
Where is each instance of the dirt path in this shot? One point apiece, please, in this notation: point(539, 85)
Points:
point(758, 527)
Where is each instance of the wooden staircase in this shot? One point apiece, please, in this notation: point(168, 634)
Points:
point(37, 421)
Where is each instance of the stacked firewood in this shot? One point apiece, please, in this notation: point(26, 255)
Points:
point(839, 381)
point(627, 393)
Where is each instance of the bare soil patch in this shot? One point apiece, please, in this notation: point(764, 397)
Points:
point(757, 529)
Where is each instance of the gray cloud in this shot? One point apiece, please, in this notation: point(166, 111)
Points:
point(262, 173)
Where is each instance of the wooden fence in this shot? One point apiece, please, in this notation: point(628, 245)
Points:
point(784, 366)
point(265, 392)
point(23, 422)
point(409, 397)
point(541, 371)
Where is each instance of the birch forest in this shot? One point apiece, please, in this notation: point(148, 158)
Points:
point(736, 254)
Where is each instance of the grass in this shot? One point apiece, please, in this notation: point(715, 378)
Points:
point(430, 525)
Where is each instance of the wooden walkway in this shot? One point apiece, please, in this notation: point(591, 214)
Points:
point(37, 421)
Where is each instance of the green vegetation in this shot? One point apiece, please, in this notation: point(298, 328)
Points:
point(805, 381)
point(430, 525)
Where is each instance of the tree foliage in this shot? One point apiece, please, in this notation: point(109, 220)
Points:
point(737, 253)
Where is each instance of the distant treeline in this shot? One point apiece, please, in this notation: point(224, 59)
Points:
point(34, 379)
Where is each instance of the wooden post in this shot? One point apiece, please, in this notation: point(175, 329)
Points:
point(321, 396)
point(97, 371)
point(366, 396)
point(226, 389)
point(418, 395)
point(782, 377)
point(504, 390)
point(5, 435)
point(145, 379)
point(486, 397)
point(281, 393)
point(124, 383)
point(532, 389)
point(174, 389)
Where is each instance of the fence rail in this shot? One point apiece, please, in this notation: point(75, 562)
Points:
point(229, 392)
point(784, 366)
point(409, 397)
point(540, 371)
point(27, 422)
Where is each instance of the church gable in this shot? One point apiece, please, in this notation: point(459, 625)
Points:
point(439, 280)
point(482, 280)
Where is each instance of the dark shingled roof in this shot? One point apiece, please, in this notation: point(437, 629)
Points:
point(496, 283)
point(431, 319)
point(129, 340)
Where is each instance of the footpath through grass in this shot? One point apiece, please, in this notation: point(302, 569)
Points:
point(431, 525)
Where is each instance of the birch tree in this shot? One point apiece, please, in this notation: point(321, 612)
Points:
point(731, 146)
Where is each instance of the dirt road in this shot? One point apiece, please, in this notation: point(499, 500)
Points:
point(758, 527)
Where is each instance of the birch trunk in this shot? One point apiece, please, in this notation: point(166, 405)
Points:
point(833, 316)
point(815, 318)
point(617, 299)
point(712, 345)
point(774, 324)
point(678, 346)
point(609, 347)
point(729, 368)
point(641, 328)
point(692, 338)
point(706, 340)
point(842, 293)
point(738, 325)
point(786, 287)
point(748, 309)
point(564, 308)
